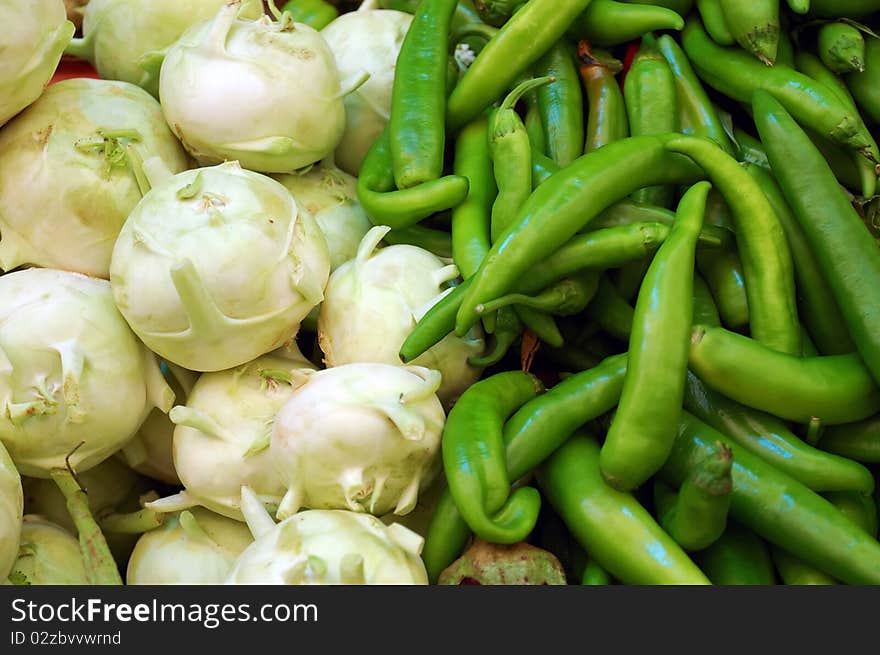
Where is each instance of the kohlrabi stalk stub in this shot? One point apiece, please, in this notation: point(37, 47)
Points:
point(217, 266)
point(127, 39)
point(221, 441)
point(372, 303)
point(266, 93)
point(74, 379)
point(11, 508)
point(366, 40)
point(35, 34)
point(70, 173)
point(193, 547)
point(326, 547)
point(363, 437)
point(47, 555)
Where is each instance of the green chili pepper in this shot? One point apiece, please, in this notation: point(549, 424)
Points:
point(859, 441)
point(754, 24)
point(738, 75)
point(497, 12)
point(543, 325)
point(818, 308)
point(750, 150)
point(830, 223)
point(780, 509)
point(611, 311)
point(506, 330)
point(561, 104)
point(864, 85)
point(843, 8)
point(794, 571)
point(607, 23)
point(859, 508)
point(594, 575)
point(652, 106)
point(418, 99)
point(765, 253)
point(542, 168)
point(799, 6)
point(611, 525)
point(705, 311)
point(470, 219)
point(315, 13)
point(465, 12)
point(643, 429)
point(696, 110)
point(399, 209)
point(535, 129)
point(738, 557)
point(770, 439)
point(434, 241)
point(626, 212)
point(716, 25)
point(566, 203)
point(785, 50)
point(681, 7)
point(723, 272)
point(841, 47)
point(474, 458)
point(566, 297)
point(836, 389)
point(524, 38)
point(606, 119)
point(511, 157)
point(696, 516)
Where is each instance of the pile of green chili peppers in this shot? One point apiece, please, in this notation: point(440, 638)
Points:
point(663, 213)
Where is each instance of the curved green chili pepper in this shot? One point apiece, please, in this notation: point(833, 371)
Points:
point(566, 297)
point(611, 525)
point(750, 150)
point(864, 84)
point(763, 248)
point(594, 575)
point(836, 389)
point(542, 168)
point(315, 13)
point(770, 439)
point(643, 429)
point(841, 47)
point(780, 509)
point(543, 325)
point(830, 222)
point(738, 557)
point(794, 571)
point(705, 311)
point(723, 273)
point(859, 441)
point(434, 241)
point(755, 26)
point(561, 104)
point(474, 459)
point(606, 119)
point(715, 23)
point(508, 328)
point(627, 212)
point(607, 23)
point(611, 311)
point(385, 205)
point(418, 99)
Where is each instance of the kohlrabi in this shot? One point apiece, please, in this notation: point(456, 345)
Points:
point(264, 92)
point(217, 266)
point(11, 508)
point(47, 555)
point(372, 303)
point(193, 547)
point(127, 39)
point(35, 34)
point(326, 547)
point(222, 435)
point(70, 173)
point(366, 40)
point(330, 195)
point(75, 382)
point(363, 437)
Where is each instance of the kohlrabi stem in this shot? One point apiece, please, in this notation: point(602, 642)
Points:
point(134, 523)
point(82, 48)
point(205, 318)
point(101, 568)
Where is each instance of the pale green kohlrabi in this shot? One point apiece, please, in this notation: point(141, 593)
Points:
point(372, 303)
point(263, 92)
point(35, 34)
point(330, 195)
point(222, 435)
point(327, 547)
point(150, 451)
point(193, 547)
point(217, 266)
point(75, 382)
point(70, 173)
point(366, 40)
point(11, 508)
point(48, 555)
point(127, 39)
point(362, 437)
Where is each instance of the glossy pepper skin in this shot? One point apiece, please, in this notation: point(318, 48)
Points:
point(738, 557)
point(754, 24)
point(611, 525)
point(561, 104)
point(606, 118)
point(781, 510)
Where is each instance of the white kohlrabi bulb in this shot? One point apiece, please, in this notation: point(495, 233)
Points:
point(48, 555)
point(127, 39)
point(364, 437)
point(330, 195)
point(74, 379)
point(263, 92)
point(327, 547)
point(35, 34)
point(11, 508)
point(366, 40)
point(70, 173)
point(372, 303)
point(194, 547)
point(222, 435)
point(217, 266)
